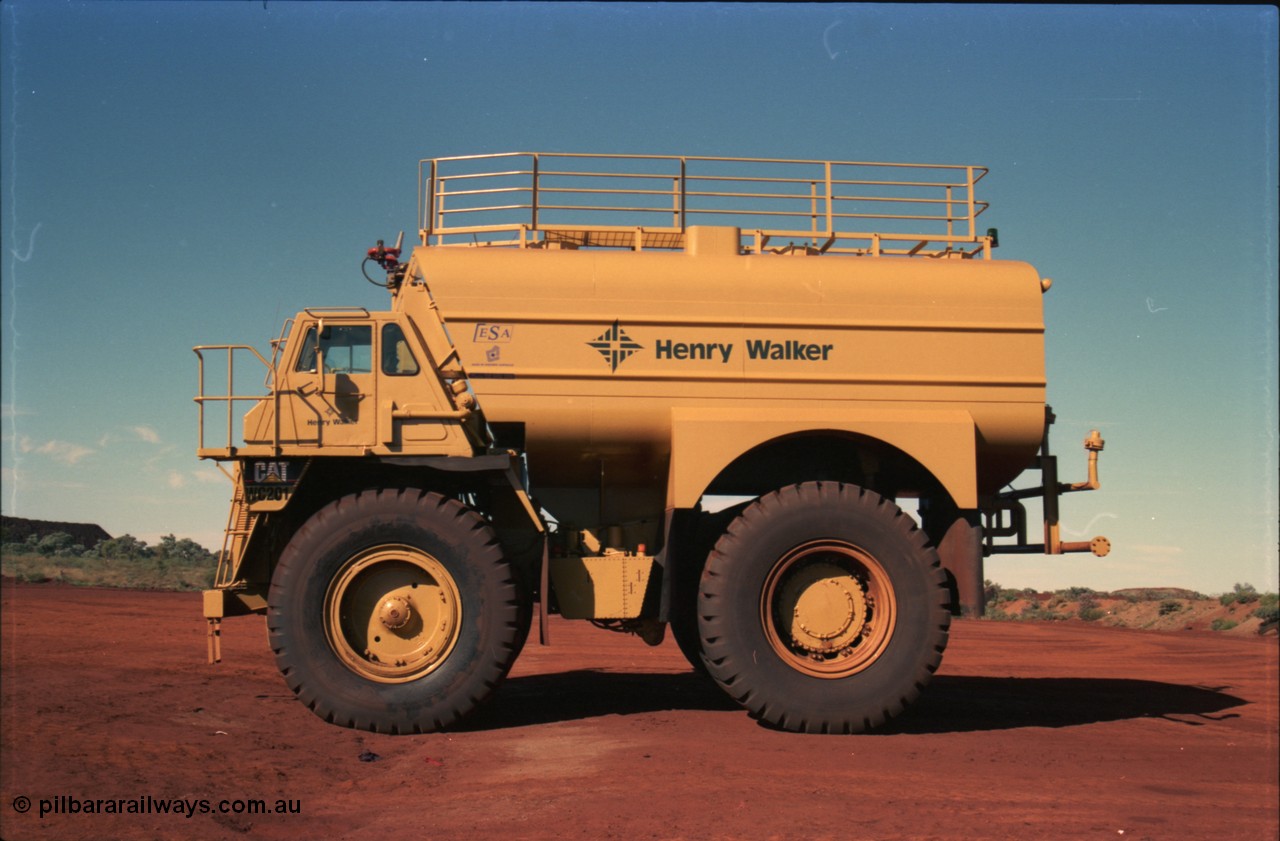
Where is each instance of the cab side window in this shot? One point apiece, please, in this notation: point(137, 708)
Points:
point(397, 358)
point(346, 348)
point(307, 358)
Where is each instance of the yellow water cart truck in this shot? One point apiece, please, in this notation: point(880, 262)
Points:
point(645, 392)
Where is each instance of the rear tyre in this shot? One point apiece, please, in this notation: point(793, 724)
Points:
point(394, 611)
point(696, 539)
point(823, 609)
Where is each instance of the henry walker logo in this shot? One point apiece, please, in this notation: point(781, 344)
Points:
point(615, 346)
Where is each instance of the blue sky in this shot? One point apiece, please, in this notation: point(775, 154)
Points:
point(185, 173)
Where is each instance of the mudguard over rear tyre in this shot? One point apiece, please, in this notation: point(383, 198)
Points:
point(823, 609)
point(395, 611)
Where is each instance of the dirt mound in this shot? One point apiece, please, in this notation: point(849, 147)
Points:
point(18, 529)
point(1146, 594)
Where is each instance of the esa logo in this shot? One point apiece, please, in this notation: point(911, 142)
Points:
point(492, 333)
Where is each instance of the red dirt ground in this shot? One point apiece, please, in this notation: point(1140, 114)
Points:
point(1030, 730)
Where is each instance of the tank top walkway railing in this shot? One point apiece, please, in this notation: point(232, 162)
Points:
point(552, 199)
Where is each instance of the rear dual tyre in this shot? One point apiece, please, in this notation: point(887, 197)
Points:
point(395, 611)
point(823, 609)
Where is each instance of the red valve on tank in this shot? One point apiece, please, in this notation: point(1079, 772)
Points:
point(388, 258)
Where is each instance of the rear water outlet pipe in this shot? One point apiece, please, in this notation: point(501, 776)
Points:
point(1093, 445)
point(1099, 546)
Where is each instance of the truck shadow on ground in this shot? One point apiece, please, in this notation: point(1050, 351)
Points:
point(590, 693)
point(954, 704)
point(950, 704)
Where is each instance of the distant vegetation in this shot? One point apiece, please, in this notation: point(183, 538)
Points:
point(1084, 603)
point(125, 561)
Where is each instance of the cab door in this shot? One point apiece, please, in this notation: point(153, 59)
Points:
point(414, 410)
point(327, 393)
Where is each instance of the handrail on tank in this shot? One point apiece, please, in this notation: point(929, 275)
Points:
point(464, 197)
point(230, 398)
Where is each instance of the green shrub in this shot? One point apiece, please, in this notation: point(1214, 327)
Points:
point(1241, 594)
point(1089, 610)
point(1267, 613)
point(1222, 624)
point(1169, 606)
point(1036, 613)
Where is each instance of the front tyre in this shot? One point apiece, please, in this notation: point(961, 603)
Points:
point(823, 609)
point(394, 611)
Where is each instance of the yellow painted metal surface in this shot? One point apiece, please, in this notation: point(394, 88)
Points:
point(704, 440)
point(608, 586)
point(613, 355)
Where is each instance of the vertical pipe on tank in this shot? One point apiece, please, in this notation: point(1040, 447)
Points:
point(973, 221)
point(684, 193)
point(675, 202)
point(424, 185)
point(830, 196)
point(534, 198)
point(437, 203)
point(950, 217)
point(813, 212)
point(683, 209)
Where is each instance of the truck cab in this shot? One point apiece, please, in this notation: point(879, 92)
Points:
point(355, 382)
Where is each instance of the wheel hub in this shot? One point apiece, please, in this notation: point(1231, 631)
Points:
point(829, 608)
point(395, 612)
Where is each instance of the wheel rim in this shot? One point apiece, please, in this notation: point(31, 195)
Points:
point(828, 609)
point(392, 614)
